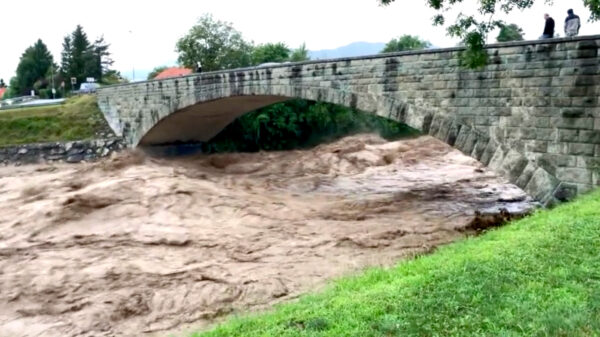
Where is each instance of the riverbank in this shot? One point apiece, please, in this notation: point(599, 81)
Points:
point(68, 152)
point(79, 118)
point(539, 276)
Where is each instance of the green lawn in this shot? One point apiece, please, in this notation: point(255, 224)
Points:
point(78, 118)
point(539, 276)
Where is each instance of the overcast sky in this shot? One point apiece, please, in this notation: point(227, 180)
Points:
point(142, 34)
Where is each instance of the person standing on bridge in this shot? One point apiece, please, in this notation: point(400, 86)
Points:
point(548, 28)
point(572, 24)
point(198, 67)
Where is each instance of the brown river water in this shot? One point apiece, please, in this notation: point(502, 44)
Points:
point(144, 246)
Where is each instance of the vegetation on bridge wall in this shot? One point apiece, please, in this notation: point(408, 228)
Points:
point(298, 124)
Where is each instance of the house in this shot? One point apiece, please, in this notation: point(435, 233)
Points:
point(2, 91)
point(173, 72)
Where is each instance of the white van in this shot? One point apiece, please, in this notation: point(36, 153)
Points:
point(88, 87)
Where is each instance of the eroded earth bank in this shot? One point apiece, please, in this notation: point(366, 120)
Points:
point(144, 246)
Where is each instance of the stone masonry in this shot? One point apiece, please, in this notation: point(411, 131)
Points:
point(532, 114)
point(69, 152)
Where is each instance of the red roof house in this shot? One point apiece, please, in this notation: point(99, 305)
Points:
point(2, 91)
point(173, 72)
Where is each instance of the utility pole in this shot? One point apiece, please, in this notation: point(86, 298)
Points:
point(53, 89)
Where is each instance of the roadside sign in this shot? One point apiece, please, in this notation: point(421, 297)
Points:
point(73, 80)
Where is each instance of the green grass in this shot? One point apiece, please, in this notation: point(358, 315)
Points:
point(539, 276)
point(78, 118)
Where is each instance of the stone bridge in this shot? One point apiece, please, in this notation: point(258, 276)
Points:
point(532, 114)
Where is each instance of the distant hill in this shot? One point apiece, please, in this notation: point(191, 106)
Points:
point(353, 49)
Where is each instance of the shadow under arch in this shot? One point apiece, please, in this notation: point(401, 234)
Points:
point(202, 121)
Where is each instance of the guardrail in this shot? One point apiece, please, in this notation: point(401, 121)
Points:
point(32, 104)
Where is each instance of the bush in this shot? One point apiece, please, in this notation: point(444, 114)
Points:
point(300, 124)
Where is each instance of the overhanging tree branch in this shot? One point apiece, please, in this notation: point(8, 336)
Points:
point(473, 32)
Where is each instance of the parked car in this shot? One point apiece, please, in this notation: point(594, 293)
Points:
point(87, 87)
point(271, 64)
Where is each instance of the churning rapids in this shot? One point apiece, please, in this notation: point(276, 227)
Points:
point(136, 246)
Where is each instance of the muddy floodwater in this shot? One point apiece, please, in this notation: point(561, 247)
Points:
point(140, 246)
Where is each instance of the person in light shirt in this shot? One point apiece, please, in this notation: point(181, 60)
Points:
point(572, 24)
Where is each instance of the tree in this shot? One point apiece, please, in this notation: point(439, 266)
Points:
point(405, 42)
point(510, 32)
point(33, 69)
point(216, 44)
point(300, 54)
point(101, 59)
point(156, 71)
point(473, 31)
point(66, 56)
point(270, 52)
point(113, 77)
point(81, 56)
point(81, 59)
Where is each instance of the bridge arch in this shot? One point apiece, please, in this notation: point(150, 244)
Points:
point(532, 114)
point(206, 118)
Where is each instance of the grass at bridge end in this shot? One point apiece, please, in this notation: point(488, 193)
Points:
point(539, 276)
point(78, 118)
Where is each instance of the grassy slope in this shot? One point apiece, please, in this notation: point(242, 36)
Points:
point(78, 118)
point(539, 276)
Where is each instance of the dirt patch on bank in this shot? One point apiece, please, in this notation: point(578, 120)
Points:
point(139, 246)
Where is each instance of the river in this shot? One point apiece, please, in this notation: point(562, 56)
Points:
point(139, 245)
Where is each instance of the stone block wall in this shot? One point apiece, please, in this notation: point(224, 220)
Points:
point(69, 152)
point(532, 114)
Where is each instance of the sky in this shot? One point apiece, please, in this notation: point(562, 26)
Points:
point(143, 34)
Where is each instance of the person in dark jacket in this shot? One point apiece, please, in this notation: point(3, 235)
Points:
point(548, 28)
point(572, 24)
